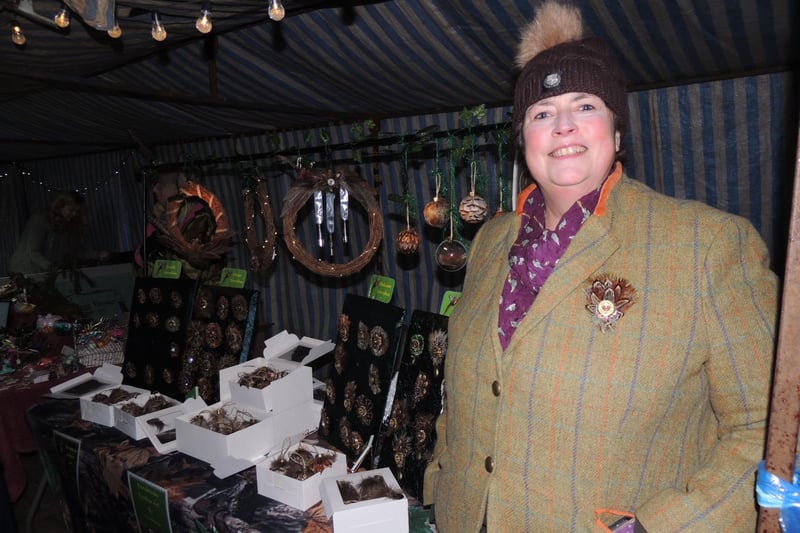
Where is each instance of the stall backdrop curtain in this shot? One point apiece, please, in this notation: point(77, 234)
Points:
point(727, 143)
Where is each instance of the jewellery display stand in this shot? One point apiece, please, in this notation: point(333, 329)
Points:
point(180, 335)
point(407, 437)
point(356, 391)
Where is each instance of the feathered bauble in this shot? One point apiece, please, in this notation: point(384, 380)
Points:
point(473, 208)
point(407, 241)
point(437, 212)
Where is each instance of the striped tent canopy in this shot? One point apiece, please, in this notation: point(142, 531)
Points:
point(78, 91)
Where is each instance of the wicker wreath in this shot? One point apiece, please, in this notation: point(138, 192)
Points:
point(261, 255)
point(311, 181)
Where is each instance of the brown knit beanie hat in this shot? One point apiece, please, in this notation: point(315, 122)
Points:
point(555, 59)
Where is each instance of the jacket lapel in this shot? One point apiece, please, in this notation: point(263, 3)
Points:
point(590, 248)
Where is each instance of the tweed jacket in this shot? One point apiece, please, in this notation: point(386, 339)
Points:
point(663, 415)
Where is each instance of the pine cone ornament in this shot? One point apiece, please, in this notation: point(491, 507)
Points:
point(473, 208)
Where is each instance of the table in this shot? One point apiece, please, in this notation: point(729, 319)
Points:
point(17, 394)
point(91, 481)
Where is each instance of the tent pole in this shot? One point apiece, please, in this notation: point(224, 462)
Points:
point(785, 406)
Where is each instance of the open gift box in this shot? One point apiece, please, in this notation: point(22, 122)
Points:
point(208, 445)
point(300, 494)
point(294, 388)
point(102, 412)
point(385, 514)
point(234, 452)
point(284, 352)
point(105, 377)
point(133, 425)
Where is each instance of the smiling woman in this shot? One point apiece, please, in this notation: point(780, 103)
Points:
point(607, 389)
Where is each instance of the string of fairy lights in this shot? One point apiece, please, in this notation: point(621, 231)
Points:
point(158, 30)
point(50, 186)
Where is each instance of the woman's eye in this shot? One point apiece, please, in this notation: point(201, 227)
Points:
point(540, 115)
point(586, 107)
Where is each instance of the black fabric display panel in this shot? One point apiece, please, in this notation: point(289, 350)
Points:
point(409, 434)
point(180, 335)
point(219, 335)
point(368, 337)
point(160, 312)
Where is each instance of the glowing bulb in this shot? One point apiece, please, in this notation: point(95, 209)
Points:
point(62, 18)
point(276, 10)
point(115, 32)
point(158, 31)
point(203, 23)
point(17, 35)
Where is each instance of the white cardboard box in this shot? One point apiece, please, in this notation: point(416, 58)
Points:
point(229, 454)
point(133, 426)
point(298, 494)
point(105, 377)
point(380, 514)
point(101, 413)
point(284, 344)
point(210, 446)
point(289, 391)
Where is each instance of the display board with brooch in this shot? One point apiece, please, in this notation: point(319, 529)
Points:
point(365, 356)
point(408, 435)
point(182, 334)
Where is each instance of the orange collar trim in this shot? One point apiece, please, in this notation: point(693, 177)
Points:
point(601, 208)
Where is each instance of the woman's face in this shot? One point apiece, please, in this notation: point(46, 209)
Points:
point(69, 212)
point(570, 143)
point(163, 190)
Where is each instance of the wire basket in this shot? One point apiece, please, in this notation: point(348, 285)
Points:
point(91, 356)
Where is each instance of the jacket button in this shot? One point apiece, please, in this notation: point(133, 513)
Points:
point(489, 464)
point(496, 388)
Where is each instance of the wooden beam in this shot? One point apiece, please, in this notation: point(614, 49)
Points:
point(109, 89)
point(784, 416)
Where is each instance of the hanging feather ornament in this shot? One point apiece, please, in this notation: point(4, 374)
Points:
point(473, 208)
point(330, 217)
point(318, 217)
point(437, 211)
point(344, 211)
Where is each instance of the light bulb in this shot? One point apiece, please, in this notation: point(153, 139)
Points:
point(17, 35)
point(276, 10)
point(203, 23)
point(115, 32)
point(62, 18)
point(158, 31)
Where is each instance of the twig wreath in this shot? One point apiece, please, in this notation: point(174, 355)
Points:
point(261, 255)
point(317, 183)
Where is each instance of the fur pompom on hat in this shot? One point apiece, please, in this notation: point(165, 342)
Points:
point(556, 58)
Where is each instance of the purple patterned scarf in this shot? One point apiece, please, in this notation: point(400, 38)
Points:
point(535, 254)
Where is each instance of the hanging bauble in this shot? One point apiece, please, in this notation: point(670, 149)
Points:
point(437, 212)
point(407, 241)
point(451, 255)
point(473, 208)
